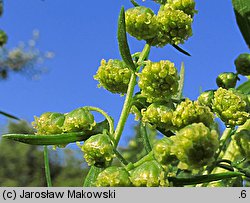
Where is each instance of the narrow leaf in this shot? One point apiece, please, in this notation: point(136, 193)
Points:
point(123, 42)
point(203, 178)
point(57, 139)
point(181, 50)
point(244, 87)
point(242, 14)
point(9, 115)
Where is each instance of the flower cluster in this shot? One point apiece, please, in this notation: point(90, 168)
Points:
point(231, 106)
point(98, 150)
point(56, 123)
point(114, 76)
point(172, 24)
point(195, 145)
point(158, 81)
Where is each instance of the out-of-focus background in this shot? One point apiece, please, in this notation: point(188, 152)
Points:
point(64, 42)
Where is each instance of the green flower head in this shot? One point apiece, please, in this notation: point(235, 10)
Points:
point(141, 23)
point(242, 63)
point(113, 176)
point(187, 6)
point(162, 151)
point(78, 119)
point(49, 123)
point(148, 174)
point(206, 98)
point(195, 145)
point(174, 27)
point(158, 81)
point(188, 112)
point(98, 150)
point(227, 80)
point(231, 106)
point(159, 115)
point(114, 76)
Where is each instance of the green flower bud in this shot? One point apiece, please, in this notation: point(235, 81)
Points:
point(158, 81)
point(158, 115)
point(77, 120)
point(187, 6)
point(149, 174)
point(242, 64)
point(231, 106)
point(49, 123)
point(243, 141)
point(195, 145)
point(113, 176)
point(227, 80)
point(3, 38)
point(141, 23)
point(174, 27)
point(206, 98)
point(114, 76)
point(188, 112)
point(162, 151)
point(98, 150)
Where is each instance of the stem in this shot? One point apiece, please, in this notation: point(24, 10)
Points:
point(120, 157)
point(129, 97)
point(46, 165)
point(145, 137)
point(109, 119)
point(148, 157)
point(225, 136)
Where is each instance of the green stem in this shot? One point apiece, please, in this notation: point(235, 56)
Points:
point(148, 157)
point(46, 165)
point(129, 98)
point(120, 157)
point(223, 140)
point(145, 137)
point(109, 119)
point(91, 177)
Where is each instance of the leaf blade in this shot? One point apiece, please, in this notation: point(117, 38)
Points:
point(123, 42)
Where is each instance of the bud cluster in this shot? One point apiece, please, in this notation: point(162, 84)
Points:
point(158, 81)
point(114, 76)
point(57, 123)
point(231, 106)
point(171, 25)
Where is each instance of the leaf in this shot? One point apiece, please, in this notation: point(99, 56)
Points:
point(181, 50)
point(57, 139)
point(9, 115)
point(244, 87)
point(123, 42)
point(203, 178)
point(242, 14)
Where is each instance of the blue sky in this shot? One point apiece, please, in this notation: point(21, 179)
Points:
point(81, 33)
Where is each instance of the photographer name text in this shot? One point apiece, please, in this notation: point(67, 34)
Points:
point(48, 194)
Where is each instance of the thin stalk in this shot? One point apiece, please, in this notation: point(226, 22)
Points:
point(109, 119)
point(120, 157)
point(145, 137)
point(46, 165)
point(148, 157)
point(129, 98)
